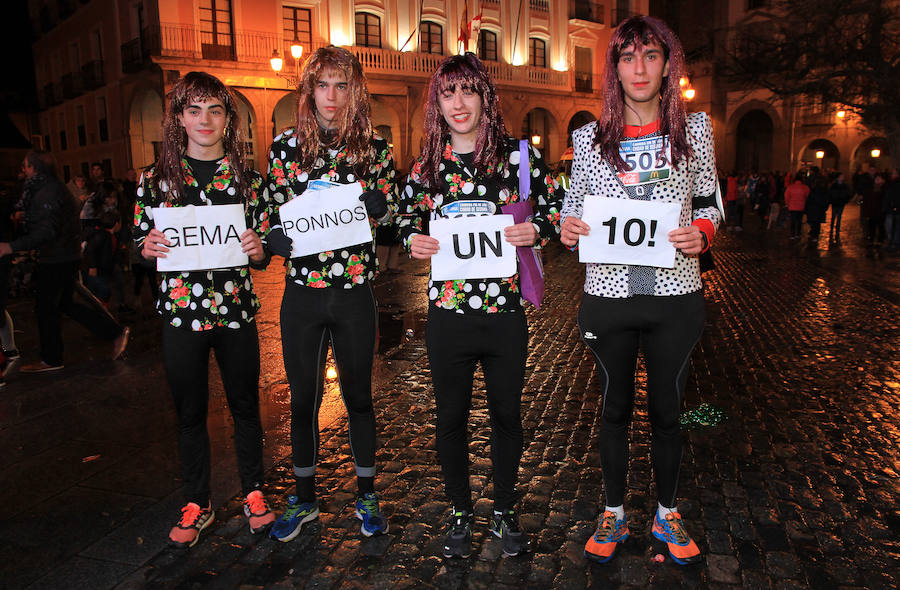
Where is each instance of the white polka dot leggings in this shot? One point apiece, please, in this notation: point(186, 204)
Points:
point(665, 328)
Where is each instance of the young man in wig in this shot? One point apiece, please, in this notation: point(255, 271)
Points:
point(201, 163)
point(470, 166)
point(627, 307)
point(328, 297)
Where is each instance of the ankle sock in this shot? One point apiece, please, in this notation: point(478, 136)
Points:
point(661, 511)
point(618, 510)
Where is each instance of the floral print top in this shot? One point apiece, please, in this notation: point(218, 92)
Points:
point(204, 299)
point(486, 194)
point(347, 267)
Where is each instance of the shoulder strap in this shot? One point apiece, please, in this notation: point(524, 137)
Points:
point(524, 171)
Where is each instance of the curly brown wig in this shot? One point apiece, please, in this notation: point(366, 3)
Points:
point(197, 86)
point(354, 125)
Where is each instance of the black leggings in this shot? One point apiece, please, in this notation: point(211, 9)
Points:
point(310, 319)
point(666, 329)
point(186, 359)
point(456, 342)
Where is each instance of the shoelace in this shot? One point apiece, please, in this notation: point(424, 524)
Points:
point(607, 528)
point(458, 522)
point(257, 503)
point(190, 514)
point(512, 523)
point(370, 505)
point(676, 527)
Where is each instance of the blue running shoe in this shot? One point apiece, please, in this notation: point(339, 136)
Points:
point(367, 510)
point(296, 514)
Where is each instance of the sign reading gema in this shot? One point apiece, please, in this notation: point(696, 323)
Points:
point(472, 248)
point(328, 219)
point(627, 231)
point(201, 238)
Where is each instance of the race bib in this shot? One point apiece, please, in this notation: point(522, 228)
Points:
point(627, 231)
point(647, 160)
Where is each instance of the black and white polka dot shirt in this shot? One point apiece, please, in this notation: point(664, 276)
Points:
point(592, 175)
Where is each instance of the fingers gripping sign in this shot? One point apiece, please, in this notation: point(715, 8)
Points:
point(572, 229)
point(251, 245)
point(155, 245)
point(423, 247)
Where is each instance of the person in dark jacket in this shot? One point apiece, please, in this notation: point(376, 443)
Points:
point(839, 195)
point(53, 229)
point(892, 211)
point(816, 207)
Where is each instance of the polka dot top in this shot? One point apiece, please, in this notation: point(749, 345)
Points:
point(482, 193)
point(592, 175)
point(204, 299)
point(347, 267)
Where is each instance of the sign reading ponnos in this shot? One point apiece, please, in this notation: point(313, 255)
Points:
point(328, 219)
point(201, 238)
point(472, 248)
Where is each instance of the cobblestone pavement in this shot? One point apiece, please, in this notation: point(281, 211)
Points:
point(798, 488)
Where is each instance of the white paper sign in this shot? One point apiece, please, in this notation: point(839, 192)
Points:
point(472, 248)
point(201, 237)
point(329, 219)
point(627, 231)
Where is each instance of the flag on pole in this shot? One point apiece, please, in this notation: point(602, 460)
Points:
point(464, 31)
point(475, 28)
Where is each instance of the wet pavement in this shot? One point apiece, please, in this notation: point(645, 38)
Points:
point(798, 488)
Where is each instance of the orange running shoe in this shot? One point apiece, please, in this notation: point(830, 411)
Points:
point(193, 520)
point(679, 543)
point(601, 547)
point(256, 509)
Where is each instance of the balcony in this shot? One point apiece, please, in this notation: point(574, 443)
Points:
point(256, 47)
point(584, 82)
point(539, 5)
point(92, 74)
point(52, 94)
point(72, 85)
point(587, 11)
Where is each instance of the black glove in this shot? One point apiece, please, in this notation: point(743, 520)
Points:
point(376, 203)
point(278, 243)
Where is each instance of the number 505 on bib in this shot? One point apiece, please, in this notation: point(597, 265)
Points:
point(626, 231)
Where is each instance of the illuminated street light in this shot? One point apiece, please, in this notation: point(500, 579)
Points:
point(841, 114)
point(682, 81)
point(331, 373)
point(876, 153)
point(536, 139)
point(275, 61)
point(820, 154)
point(292, 77)
point(690, 93)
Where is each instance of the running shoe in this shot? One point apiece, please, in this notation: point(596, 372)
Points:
point(256, 509)
point(39, 367)
point(367, 510)
point(679, 543)
point(458, 542)
point(296, 514)
point(193, 520)
point(601, 547)
point(505, 526)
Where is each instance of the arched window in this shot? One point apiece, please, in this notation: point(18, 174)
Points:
point(537, 52)
point(431, 38)
point(487, 45)
point(368, 30)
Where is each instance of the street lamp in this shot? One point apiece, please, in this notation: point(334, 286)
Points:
point(536, 139)
point(841, 114)
point(820, 154)
point(876, 153)
point(292, 77)
point(690, 93)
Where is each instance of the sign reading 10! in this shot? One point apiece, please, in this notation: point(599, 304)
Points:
point(627, 231)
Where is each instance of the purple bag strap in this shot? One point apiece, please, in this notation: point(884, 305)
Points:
point(524, 171)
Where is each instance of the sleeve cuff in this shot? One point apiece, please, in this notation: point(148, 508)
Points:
point(708, 230)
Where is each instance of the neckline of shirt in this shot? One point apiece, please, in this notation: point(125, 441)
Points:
point(632, 131)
